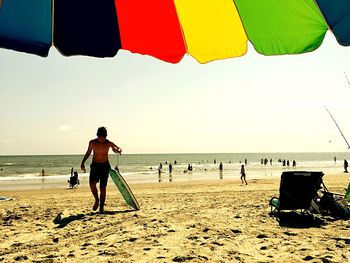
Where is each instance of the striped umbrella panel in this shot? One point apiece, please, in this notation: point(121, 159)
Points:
point(337, 15)
point(26, 26)
point(212, 29)
point(151, 28)
point(86, 27)
point(277, 27)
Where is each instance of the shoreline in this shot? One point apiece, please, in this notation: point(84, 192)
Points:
point(52, 182)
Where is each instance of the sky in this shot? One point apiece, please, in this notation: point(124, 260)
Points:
point(253, 103)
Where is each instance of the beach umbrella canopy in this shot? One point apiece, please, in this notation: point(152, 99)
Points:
point(168, 29)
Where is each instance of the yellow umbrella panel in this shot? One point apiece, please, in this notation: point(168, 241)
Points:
point(212, 29)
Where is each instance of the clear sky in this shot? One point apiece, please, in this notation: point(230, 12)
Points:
point(253, 103)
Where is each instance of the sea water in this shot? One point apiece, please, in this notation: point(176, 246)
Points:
point(26, 171)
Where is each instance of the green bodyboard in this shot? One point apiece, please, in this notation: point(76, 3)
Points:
point(124, 189)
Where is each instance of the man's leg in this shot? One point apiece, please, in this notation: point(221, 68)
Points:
point(102, 197)
point(94, 192)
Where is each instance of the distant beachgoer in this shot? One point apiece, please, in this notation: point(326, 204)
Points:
point(214, 161)
point(43, 172)
point(175, 162)
point(170, 168)
point(288, 163)
point(245, 161)
point(294, 163)
point(160, 166)
point(346, 166)
point(335, 159)
point(189, 167)
point(271, 161)
point(221, 166)
point(243, 179)
point(159, 174)
point(100, 166)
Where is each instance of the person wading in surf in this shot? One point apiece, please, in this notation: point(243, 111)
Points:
point(99, 166)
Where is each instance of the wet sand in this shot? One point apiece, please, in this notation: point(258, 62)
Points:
point(212, 221)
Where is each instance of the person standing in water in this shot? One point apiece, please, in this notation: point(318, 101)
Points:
point(99, 168)
point(243, 175)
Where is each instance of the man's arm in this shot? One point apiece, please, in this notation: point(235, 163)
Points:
point(115, 148)
point(86, 156)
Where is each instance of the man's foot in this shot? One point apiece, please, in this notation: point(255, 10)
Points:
point(95, 205)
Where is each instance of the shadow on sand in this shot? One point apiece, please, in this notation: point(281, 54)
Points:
point(64, 221)
point(297, 220)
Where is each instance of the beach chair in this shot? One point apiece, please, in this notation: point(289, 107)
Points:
point(298, 190)
point(74, 181)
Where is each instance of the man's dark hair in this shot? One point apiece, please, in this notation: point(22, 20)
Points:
point(102, 131)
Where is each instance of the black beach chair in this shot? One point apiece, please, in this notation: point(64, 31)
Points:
point(298, 191)
point(74, 181)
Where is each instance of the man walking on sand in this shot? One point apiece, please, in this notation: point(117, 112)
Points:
point(99, 166)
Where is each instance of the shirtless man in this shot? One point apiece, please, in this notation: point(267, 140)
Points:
point(99, 166)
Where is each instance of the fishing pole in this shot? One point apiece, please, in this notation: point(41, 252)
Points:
point(337, 126)
point(347, 79)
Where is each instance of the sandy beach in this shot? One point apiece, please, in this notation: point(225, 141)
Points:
point(221, 221)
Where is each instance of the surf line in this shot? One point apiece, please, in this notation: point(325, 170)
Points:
point(337, 126)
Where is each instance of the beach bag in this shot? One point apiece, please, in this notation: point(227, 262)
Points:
point(333, 206)
point(347, 194)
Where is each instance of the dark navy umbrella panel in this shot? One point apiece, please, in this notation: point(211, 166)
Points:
point(337, 15)
point(86, 27)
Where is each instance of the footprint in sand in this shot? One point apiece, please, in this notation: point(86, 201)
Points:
point(290, 234)
point(308, 258)
point(205, 230)
point(20, 258)
point(236, 231)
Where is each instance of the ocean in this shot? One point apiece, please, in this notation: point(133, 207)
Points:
point(26, 171)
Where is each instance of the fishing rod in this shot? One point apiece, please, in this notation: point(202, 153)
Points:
point(347, 79)
point(337, 126)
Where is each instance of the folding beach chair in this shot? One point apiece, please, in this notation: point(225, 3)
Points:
point(74, 181)
point(298, 189)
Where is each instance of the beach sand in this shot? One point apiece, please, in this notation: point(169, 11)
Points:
point(221, 221)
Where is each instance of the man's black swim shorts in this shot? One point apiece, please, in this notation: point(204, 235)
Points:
point(99, 172)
